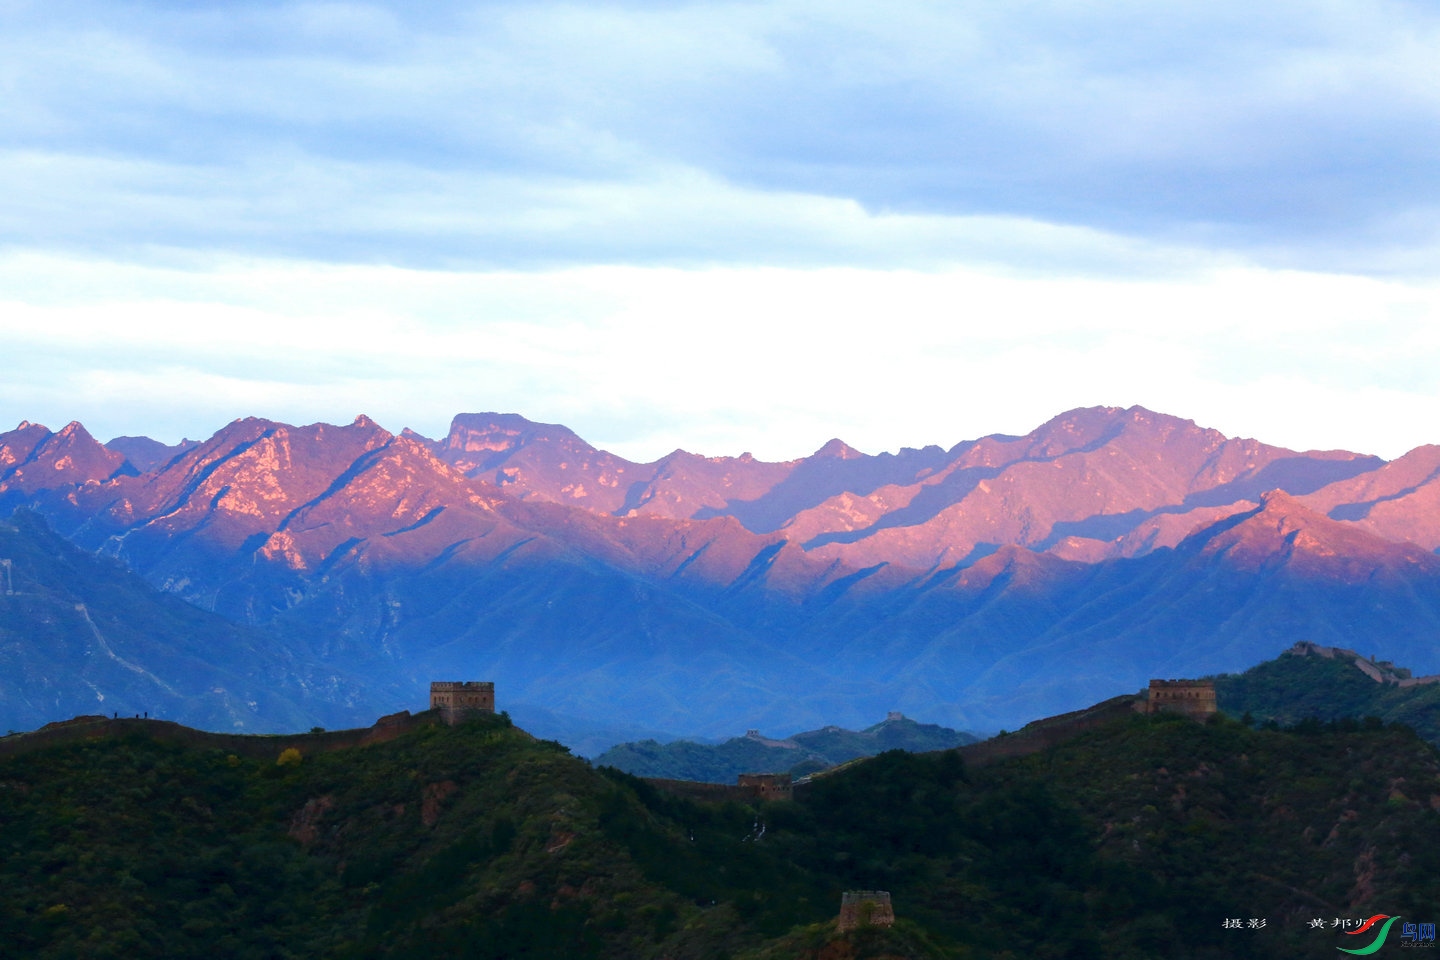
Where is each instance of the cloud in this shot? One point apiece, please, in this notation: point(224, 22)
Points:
point(721, 360)
point(723, 225)
point(1045, 136)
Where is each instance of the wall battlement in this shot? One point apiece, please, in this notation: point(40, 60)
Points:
point(456, 698)
point(865, 908)
point(1193, 698)
point(767, 786)
point(1042, 734)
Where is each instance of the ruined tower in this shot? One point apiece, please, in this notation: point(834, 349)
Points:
point(1193, 698)
point(455, 699)
point(865, 908)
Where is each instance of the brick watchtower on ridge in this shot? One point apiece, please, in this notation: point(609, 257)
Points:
point(1193, 698)
point(767, 786)
point(456, 698)
point(865, 908)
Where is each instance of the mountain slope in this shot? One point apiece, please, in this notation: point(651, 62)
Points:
point(80, 634)
point(1329, 683)
point(1132, 841)
point(1398, 501)
point(1020, 635)
point(984, 585)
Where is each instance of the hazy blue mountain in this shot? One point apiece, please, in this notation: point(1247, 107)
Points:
point(981, 586)
point(80, 634)
point(800, 754)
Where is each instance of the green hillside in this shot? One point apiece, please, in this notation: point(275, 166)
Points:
point(1298, 685)
point(804, 753)
point(1137, 840)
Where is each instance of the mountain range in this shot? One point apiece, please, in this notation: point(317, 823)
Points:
point(978, 586)
point(799, 754)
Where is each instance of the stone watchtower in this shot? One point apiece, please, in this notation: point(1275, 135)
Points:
point(865, 908)
point(767, 786)
point(1193, 698)
point(457, 698)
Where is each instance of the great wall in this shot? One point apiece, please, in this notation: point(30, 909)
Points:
point(452, 701)
point(1381, 671)
point(258, 746)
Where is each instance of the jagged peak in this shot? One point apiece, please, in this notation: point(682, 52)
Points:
point(411, 440)
point(678, 455)
point(1278, 505)
point(1282, 529)
point(1278, 499)
point(26, 427)
point(838, 449)
point(71, 434)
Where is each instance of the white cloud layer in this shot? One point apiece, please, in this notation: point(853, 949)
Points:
point(644, 359)
point(723, 225)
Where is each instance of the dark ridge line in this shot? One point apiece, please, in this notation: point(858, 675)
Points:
point(258, 745)
point(444, 555)
point(204, 473)
point(1368, 505)
point(690, 559)
point(429, 515)
point(341, 551)
point(360, 464)
point(760, 563)
point(505, 554)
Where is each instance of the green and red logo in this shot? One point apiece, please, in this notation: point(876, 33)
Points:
point(1411, 934)
point(1379, 940)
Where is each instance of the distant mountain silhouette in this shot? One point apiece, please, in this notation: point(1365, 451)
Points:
point(145, 454)
point(799, 754)
point(982, 585)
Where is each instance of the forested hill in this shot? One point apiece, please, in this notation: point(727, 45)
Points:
point(1329, 683)
point(1135, 840)
point(800, 754)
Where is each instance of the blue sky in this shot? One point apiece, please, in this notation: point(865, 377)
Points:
point(723, 226)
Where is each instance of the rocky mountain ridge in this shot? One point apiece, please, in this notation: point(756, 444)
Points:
point(994, 581)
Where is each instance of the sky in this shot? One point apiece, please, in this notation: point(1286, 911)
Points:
point(725, 227)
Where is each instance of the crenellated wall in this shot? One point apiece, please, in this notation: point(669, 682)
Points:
point(865, 908)
point(1193, 698)
point(456, 698)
